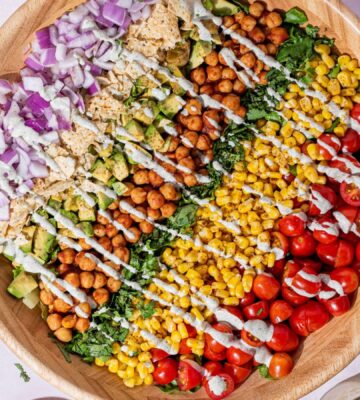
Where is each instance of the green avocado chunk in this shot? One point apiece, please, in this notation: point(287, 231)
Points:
point(135, 129)
point(100, 172)
point(153, 138)
point(85, 213)
point(22, 285)
point(104, 201)
point(119, 167)
point(44, 243)
point(171, 105)
point(199, 51)
point(28, 232)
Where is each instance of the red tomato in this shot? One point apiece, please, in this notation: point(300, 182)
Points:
point(292, 297)
point(341, 162)
point(158, 355)
point(310, 284)
point(355, 112)
point(305, 146)
point(356, 267)
point(308, 318)
point(337, 305)
point(229, 384)
point(211, 355)
point(308, 262)
point(326, 230)
point(235, 311)
point(280, 241)
point(291, 269)
point(248, 299)
point(251, 340)
point(351, 141)
point(329, 145)
point(281, 364)
point(347, 277)
point(165, 371)
point(280, 310)
point(211, 342)
point(303, 245)
point(324, 192)
point(278, 268)
point(358, 251)
point(350, 193)
point(237, 356)
point(266, 287)
point(292, 225)
point(258, 310)
point(189, 375)
point(239, 374)
point(283, 339)
point(192, 333)
point(338, 254)
point(213, 367)
point(184, 348)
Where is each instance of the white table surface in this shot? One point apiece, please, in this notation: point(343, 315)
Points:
point(12, 387)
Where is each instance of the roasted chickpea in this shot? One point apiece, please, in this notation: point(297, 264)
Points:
point(54, 321)
point(66, 256)
point(248, 23)
point(181, 152)
point(248, 59)
point(198, 76)
point(114, 205)
point(84, 245)
point(214, 134)
point(188, 162)
point(263, 48)
point(211, 119)
point(193, 107)
point(46, 297)
point(73, 279)
point(232, 101)
point(111, 264)
point(239, 86)
point(123, 253)
point(99, 230)
point(69, 321)
point(259, 65)
point(167, 210)
point(241, 111)
point(64, 335)
point(87, 280)
point(234, 27)
point(243, 50)
point(101, 219)
point(278, 35)
point(111, 231)
point(207, 89)
point(169, 191)
point(141, 210)
point(273, 20)
point(60, 306)
point(218, 97)
point(101, 296)
point(84, 263)
point(63, 269)
point(138, 195)
point(256, 9)
point(239, 17)
point(125, 220)
point(113, 285)
point(228, 21)
point(105, 242)
point(174, 143)
point(153, 214)
point(228, 73)
point(190, 138)
point(82, 325)
point(203, 143)
point(141, 177)
point(212, 59)
point(130, 186)
point(155, 179)
point(271, 48)
point(100, 280)
point(85, 308)
point(213, 73)
point(135, 236)
point(194, 123)
point(128, 202)
point(190, 180)
point(118, 240)
point(257, 35)
point(155, 199)
point(225, 86)
point(262, 77)
point(146, 227)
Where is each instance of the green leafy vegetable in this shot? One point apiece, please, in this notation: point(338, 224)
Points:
point(295, 16)
point(23, 374)
point(171, 387)
point(61, 347)
point(277, 81)
point(264, 371)
point(184, 217)
point(334, 72)
point(333, 125)
point(147, 310)
point(207, 190)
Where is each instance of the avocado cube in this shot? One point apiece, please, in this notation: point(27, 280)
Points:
point(153, 138)
point(100, 172)
point(120, 168)
point(199, 51)
point(171, 105)
point(28, 232)
point(32, 299)
point(106, 152)
point(138, 148)
point(104, 201)
point(87, 228)
point(70, 203)
point(119, 188)
point(68, 233)
point(55, 204)
point(135, 129)
point(85, 213)
point(222, 8)
point(22, 285)
point(43, 243)
point(147, 113)
point(70, 215)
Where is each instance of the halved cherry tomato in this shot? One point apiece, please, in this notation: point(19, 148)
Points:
point(266, 287)
point(303, 245)
point(358, 251)
point(329, 145)
point(342, 162)
point(350, 193)
point(165, 371)
point(278, 268)
point(258, 310)
point(280, 310)
point(283, 339)
point(158, 355)
point(192, 333)
point(326, 230)
point(337, 305)
point(291, 269)
point(351, 141)
point(308, 318)
point(307, 280)
point(281, 364)
point(308, 262)
point(251, 340)
point(215, 346)
point(338, 254)
point(280, 241)
point(326, 193)
point(355, 112)
point(212, 356)
point(292, 225)
point(239, 374)
point(305, 146)
point(247, 300)
point(237, 356)
point(229, 384)
point(356, 267)
point(213, 367)
point(292, 297)
point(184, 348)
point(347, 277)
point(189, 375)
point(234, 311)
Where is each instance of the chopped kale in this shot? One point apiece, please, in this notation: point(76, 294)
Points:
point(295, 16)
point(264, 371)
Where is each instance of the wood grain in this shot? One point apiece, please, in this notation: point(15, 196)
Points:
point(322, 355)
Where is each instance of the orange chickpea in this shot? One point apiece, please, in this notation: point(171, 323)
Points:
point(209, 117)
point(273, 20)
point(87, 280)
point(118, 240)
point(99, 230)
point(138, 195)
point(60, 306)
point(169, 191)
point(130, 186)
point(190, 138)
point(256, 9)
point(111, 231)
point(101, 219)
point(259, 65)
point(193, 107)
point(232, 102)
point(111, 264)
point(100, 280)
point(228, 21)
point(155, 179)
point(213, 73)
point(135, 237)
point(194, 123)
point(248, 59)
point(101, 296)
point(123, 253)
point(73, 279)
point(239, 17)
point(84, 245)
point(54, 321)
point(85, 263)
point(188, 162)
point(146, 227)
point(212, 59)
point(271, 48)
point(218, 97)
point(153, 214)
point(257, 35)
point(198, 76)
point(63, 269)
point(190, 180)
point(85, 307)
point(207, 89)
point(228, 73)
point(66, 256)
point(181, 152)
point(225, 86)
point(46, 297)
point(262, 77)
point(155, 199)
point(203, 143)
point(69, 321)
point(141, 210)
point(114, 205)
point(82, 325)
point(125, 220)
point(248, 23)
point(141, 177)
point(239, 87)
point(64, 335)
point(168, 209)
point(105, 242)
point(113, 285)
point(278, 35)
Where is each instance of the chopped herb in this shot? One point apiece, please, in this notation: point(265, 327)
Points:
point(207, 190)
point(61, 347)
point(264, 371)
point(259, 311)
point(184, 217)
point(170, 387)
point(295, 16)
point(23, 375)
point(147, 310)
point(277, 81)
point(334, 72)
point(333, 125)
point(293, 170)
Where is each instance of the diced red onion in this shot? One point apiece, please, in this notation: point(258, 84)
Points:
point(9, 157)
point(114, 13)
point(94, 88)
point(37, 104)
point(5, 87)
point(32, 62)
point(38, 124)
point(47, 57)
point(38, 170)
point(60, 53)
point(43, 38)
point(33, 83)
point(85, 41)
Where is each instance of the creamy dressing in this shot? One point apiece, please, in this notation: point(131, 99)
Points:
point(320, 202)
point(328, 227)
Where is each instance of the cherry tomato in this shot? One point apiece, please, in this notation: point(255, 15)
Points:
point(213, 367)
point(342, 163)
point(324, 192)
point(350, 193)
point(239, 374)
point(308, 318)
point(292, 297)
point(281, 364)
point(280, 310)
point(358, 251)
point(251, 340)
point(305, 146)
point(280, 241)
point(326, 230)
point(356, 267)
point(283, 339)
point(237, 356)
point(278, 268)
point(292, 225)
point(258, 310)
point(184, 348)
point(215, 346)
point(229, 383)
point(291, 269)
point(303, 245)
point(355, 112)
point(329, 145)
point(350, 142)
point(307, 280)
point(189, 375)
point(211, 355)
point(158, 355)
point(236, 311)
point(338, 254)
point(337, 305)
point(165, 371)
point(192, 333)
point(308, 262)
point(347, 277)
point(266, 287)
point(247, 300)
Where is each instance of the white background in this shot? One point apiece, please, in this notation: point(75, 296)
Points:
point(12, 386)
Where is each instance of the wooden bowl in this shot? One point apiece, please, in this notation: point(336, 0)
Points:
point(323, 354)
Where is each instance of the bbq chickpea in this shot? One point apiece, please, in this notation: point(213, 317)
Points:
point(67, 256)
point(99, 230)
point(60, 306)
point(213, 73)
point(64, 335)
point(271, 48)
point(203, 143)
point(228, 73)
point(228, 21)
point(113, 285)
point(218, 97)
point(167, 210)
point(241, 111)
point(155, 199)
point(262, 77)
point(130, 186)
point(209, 117)
point(123, 253)
point(155, 179)
point(174, 143)
point(63, 269)
point(138, 195)
point(257, 35)
point(239, 86)
point(101, 219)
point(85, 308)
point(188, 162)
point(248, 59)
point(141, 177)
point(105, 242)
point(46, 297)
point(259, 66)
point(194, 123)
point(190, 180)
point(273, 20)
point(73, 279)
point(207, 89)
point(69, 321)
point(181, 152)
point(225, 86)
point(212, 59)
point(99, 281)
point(111, 264)
point(198, 75)
point(146, 227)
point(169, 191)
point(193, 107)
point(248, 23)
point(118, 240)
point(82, 325)
point(135, 235)
point(101, 296)
point(256, 9)
point(278, 35)
point(54, 321)
point(190, 138)
point(84, 245)
point(125, 220)
point(111, 231)
point(87, 280)
point(232, 102)
point(238, 17)
point(153, 214)
point(114, 205)
point(140, 210)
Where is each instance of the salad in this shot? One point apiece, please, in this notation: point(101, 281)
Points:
point(180, 188)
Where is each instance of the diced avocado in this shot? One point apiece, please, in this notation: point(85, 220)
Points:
point(104, 201)
point(70, 215)
point(106, 152)
point(100, 172)
point(153, 138)
point(171, 105)
point(125, 118)
point(166, 146)
point(87, 228)
point(28, 232)
point(138, 148)
point(67, 232)
point(32, 299)
point(222, 8)
point(161, 77)
point(147, 113)
point(179, 55)
point(135, 129)
point(55, 204)
point(70, 203)
point(144, 82)
point(119, 188)
point(57, 197)
point(43, 243)
point(199, 51)
point(120, 168)
point(163, 122)
point(85, 213)
point(22, 285)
